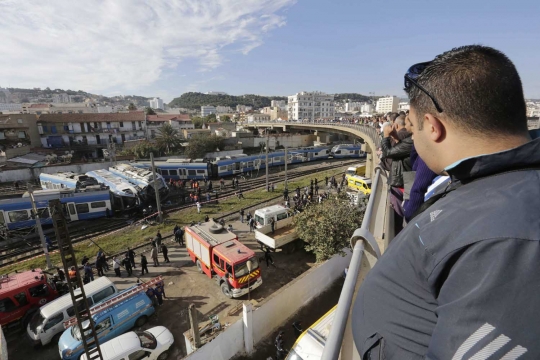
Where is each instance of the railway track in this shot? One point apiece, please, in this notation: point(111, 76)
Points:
point(81, 231)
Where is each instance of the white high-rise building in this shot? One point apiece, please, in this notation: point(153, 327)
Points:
point(366, 108)
point(223, 109)
point(387, 104)
point(403, 106)
point(207, 110)
point(311, 106)
point(157, 103)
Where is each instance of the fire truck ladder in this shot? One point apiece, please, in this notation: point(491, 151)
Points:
point(80, 304)
point(115, 300)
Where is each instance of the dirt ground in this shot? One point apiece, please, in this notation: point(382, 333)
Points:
point(185, 286)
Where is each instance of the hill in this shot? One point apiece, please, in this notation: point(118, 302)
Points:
point(194, 100)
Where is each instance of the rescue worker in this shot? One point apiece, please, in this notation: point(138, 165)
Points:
point(165, 252)
point(116, 267)
point(127, 264)
point(268, 258)
point(131, 255)
point(279, 343)
point(154, 256)
point(158, 240)
point(72, 273)
point(151, 293)
point(160, 292)
point(242, 215)
point(88, 273)
point(144, 264)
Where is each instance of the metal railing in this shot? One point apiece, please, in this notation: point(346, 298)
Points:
point(334, 340)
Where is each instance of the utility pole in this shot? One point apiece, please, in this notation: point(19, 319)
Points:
point(38, 225)
point(286, 159)
point(156, 189)
point(266, 161)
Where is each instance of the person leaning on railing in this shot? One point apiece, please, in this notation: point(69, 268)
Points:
point(461, 279)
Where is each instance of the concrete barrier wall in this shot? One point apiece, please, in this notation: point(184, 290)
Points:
point(226, 345)
point(283, 304)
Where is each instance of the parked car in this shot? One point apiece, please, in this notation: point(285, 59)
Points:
point(152, 344)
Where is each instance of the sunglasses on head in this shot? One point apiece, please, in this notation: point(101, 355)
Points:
point(410, 79)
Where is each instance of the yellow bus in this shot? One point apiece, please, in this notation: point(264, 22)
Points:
point(310, 344)
point(359, 183)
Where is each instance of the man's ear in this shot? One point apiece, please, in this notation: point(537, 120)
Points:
point(435, 128)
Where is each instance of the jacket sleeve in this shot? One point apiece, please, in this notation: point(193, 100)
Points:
point(399, 151)
point(485, 301)
point(423, 178)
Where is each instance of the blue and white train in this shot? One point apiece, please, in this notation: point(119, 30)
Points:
point(143, 178)
point(236, 165)
point(347, 151)
point(179, 169)
point(65, 180)
point(90, 204)
point(125, 195)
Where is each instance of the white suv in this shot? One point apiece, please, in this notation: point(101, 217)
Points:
point(152, 344)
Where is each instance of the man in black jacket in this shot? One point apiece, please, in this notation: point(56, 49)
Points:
point(460, 281)
point(396, 145)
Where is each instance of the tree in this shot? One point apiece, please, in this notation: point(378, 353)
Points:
point(149, 111)
point(201, 144)
point(132, 106)
point(328, 227)
point(167, 138)
point(211, 118)
point(197, 122)
point(143, 150)
point(225, 118)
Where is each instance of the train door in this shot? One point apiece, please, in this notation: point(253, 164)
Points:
point(72, 211)
point(310, 156)
point(236, 167)
point(182, 174)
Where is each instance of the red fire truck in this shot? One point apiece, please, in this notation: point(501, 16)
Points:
point(22, 294)
point(218, 254)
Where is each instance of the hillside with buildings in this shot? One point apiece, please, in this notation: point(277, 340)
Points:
point(194, 100)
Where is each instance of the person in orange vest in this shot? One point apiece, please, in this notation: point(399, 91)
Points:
point(72, 273)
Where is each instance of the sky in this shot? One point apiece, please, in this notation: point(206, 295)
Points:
point(267, 47)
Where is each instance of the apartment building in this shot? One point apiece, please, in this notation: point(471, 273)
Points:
point(157, 103)
point(90, 131)
point(387, 104)
point(207, 110)
point(177, 121)
point(311, 105)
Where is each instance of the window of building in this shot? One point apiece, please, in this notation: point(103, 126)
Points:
point(19, 121)
point(22, 135)
point(121, 124)
point(82, 208)
point(80, 111)
point(98, 204)
point(2, 135)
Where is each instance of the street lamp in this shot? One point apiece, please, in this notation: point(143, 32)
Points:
point(249, 264)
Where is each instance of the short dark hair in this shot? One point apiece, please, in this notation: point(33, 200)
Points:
point(478, 87)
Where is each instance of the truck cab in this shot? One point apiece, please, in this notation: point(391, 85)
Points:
point(22, 294)
point(218, 254)
point(276, 212)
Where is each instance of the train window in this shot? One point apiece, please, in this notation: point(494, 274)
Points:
point(165, 172)
point(192, 172)
point(338, 152)
point(173, 172)
point(98, 204)
point(19, 215)
point(82, 208)
point(44, 213)
point(250, 164)
point(158, 171)
point(201, 171)
point(223, 168)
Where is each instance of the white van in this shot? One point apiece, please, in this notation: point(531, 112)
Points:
point(152, 344)
point(48, 322)
point(263, 216)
